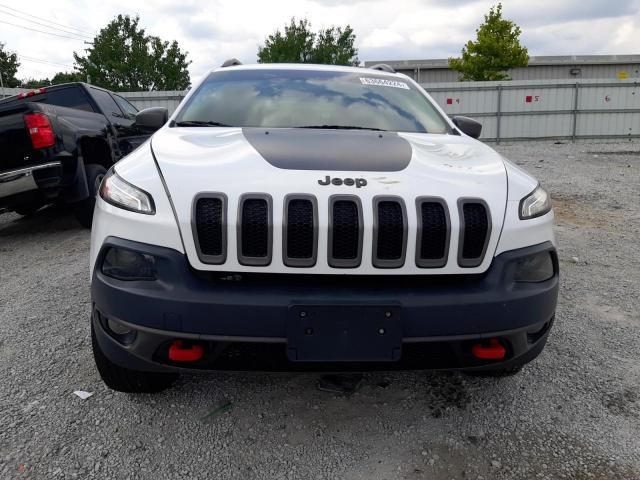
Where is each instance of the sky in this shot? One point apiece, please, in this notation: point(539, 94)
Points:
point(212, 31)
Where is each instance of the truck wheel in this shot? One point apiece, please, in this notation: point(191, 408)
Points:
point(125, 380)
point(84, 209)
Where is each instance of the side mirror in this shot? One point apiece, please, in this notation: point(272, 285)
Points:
point(468, 126)
point(151, 119)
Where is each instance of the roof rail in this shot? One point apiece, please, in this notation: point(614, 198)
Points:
point(383, 67)
point(232, 62)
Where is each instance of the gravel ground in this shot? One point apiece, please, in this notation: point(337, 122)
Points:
point(572, 414)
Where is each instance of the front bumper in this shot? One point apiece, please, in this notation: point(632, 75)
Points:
point(441, 316)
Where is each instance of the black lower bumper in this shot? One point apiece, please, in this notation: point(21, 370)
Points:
point(245, 322)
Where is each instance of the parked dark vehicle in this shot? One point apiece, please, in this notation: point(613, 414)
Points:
point(58, 142)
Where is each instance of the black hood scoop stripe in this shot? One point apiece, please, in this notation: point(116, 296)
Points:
point(336, 150)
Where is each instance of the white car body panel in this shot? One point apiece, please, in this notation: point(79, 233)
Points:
point(518, 233)
point(221, 160)
point(110, 221)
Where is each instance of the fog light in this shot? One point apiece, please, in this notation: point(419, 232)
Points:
point(118, 328)
point(535, 268)
point(120, 331)
point(124, 264)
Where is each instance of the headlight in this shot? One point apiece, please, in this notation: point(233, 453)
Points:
point(536, 204)
point(535, 268)
point(124, 264)
point(120, 193)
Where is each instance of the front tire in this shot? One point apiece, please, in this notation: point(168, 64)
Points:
point(84, 209)
point(125, 380)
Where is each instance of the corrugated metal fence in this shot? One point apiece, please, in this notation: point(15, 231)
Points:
point(167, 99)
point(516, 110)
point(529, 110)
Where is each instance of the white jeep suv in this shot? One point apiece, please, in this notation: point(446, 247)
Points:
point(317, 217)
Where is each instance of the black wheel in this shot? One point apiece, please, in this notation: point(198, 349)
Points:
point(125, 380)
point(497, 373)
point(84, 209)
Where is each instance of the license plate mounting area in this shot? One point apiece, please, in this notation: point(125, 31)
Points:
point(344, 333)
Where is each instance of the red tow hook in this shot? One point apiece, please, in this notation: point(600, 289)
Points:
point(493, 351)
point(179, 353)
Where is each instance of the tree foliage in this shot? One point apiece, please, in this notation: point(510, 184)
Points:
point(34, 83)
point(60, 77)
point(299, 44)
point(67, 77)
point(496, 50)
point(123, 57)
point(9, 67)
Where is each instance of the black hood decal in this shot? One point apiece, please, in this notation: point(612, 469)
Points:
point(337, 150)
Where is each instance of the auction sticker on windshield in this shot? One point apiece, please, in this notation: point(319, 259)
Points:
point(380, 82)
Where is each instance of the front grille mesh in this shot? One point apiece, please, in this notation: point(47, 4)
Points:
point(300, 229)
point(434, 232)
point(255, 228)
point(391, 228)
point(476, 228)
point(346, 230)
point(209, 227)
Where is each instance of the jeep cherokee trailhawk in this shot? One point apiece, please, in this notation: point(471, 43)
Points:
point(317, 217)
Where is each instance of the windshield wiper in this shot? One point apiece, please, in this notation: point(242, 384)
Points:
point(341, 127)
point(200, 123)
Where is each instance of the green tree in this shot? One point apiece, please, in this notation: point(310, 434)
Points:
point(60, 77)
point(34, 83)
point(67, 77)
point(123, 57)
point(9, 67)
point(496, 50)
point(299, 44)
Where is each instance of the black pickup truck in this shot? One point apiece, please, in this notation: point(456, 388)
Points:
point(57, 143)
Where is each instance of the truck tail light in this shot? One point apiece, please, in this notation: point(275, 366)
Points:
point(40, 130)
point(31, 93)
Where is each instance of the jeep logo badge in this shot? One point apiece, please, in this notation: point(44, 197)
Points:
point(349, 182)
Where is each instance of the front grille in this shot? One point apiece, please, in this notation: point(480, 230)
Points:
point(433, 234)
point(210, 226)
point(300, 235)
point(254, 232)
point(474, 233)
point(390, 232)
point(345, 241)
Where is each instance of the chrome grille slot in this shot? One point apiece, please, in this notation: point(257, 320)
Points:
point(345, 231)
point(255, 230)
point(434, 228)
point(475, 228)
point(300, 236)
point(390, 232)
point(210, 227)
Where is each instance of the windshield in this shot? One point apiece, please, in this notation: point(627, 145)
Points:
point(311, 99)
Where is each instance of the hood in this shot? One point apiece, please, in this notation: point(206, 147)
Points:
point(278, 162)
point(255, 159)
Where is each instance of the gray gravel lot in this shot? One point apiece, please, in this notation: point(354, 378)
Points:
point(572, 414)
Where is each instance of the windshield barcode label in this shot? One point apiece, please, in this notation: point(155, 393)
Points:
point(383, 83)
